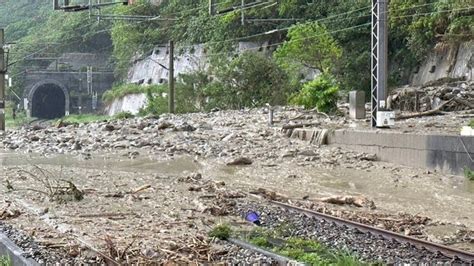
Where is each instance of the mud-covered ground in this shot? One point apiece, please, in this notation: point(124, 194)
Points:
point(151, 189)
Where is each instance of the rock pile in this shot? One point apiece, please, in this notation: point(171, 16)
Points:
point(229, 135)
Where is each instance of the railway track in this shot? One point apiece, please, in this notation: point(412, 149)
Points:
point(455, 254)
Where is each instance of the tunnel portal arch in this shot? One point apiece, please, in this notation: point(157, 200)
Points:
point(48, 99)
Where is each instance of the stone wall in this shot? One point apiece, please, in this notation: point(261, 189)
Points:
point(131, 103)
point(446, 62)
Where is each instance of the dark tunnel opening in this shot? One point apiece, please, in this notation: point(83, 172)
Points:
point(48, 102)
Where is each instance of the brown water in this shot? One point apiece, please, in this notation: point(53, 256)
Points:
point(115, 162)
point(443, 198)
point(446, 198)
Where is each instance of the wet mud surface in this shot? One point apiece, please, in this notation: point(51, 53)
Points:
point(143, 194)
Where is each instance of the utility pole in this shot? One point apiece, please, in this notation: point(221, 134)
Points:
point(379, 70)
point(80, 93)
point(3, 67)
point(211, 8)
point(171, 78)
point(243, 13)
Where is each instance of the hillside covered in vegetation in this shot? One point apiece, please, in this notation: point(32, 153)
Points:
point(331, 36)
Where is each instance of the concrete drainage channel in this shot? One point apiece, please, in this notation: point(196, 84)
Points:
point(13, 252)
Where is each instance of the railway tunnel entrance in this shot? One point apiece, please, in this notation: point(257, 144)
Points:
point(48, 101)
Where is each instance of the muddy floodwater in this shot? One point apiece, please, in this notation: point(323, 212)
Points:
point(151, 185)
point(443, 198)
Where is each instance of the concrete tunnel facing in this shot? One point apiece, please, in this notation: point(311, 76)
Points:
point(48, 101)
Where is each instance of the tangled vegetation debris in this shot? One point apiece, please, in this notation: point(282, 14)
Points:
point(221, 231)
point(469, 174)
point(55, 187)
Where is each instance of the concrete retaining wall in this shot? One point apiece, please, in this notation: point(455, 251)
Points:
point(9, 249)
point(131, 103)
point(446, 153)
point(444, 62)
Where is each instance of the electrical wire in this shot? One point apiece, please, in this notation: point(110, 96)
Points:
point(88, 24)
point(284, 29)
point(328, 18)
point(314, 36)
point(280, 43)
point(435, 12)
point(277, 30)
point(295, 40)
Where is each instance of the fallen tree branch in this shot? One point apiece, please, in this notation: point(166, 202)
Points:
point(105, 215)
point(427, 113)
point(108, 259)
point(464, 102)
point(357, 201)
point(299, 125)
point(140, 189)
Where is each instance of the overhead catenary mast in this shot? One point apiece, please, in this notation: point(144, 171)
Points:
point(3, 68)
point(379, 70)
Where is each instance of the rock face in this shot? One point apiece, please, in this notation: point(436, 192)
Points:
point(149, 70)
point(131, 103)
point(447, 62)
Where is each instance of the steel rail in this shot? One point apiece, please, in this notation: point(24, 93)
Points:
point(281, 260)
point(450, 252)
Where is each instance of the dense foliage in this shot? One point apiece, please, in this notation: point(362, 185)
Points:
point(249, 80)
point(332, 36)
point(309, 45)
point(321, 93)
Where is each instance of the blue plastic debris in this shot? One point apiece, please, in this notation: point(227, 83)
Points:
point(253, 217)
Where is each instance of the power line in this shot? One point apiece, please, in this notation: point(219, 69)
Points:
point(288, 41)
point(263, 33)
point(328, 18)
point(298, 39)
point(314, 36)
point(283, 29)
point(236, 39)
point(435, 12)
point(91, 23)
point(68, 43)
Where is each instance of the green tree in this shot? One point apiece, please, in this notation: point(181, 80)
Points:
point(132, 40)
point(191, 91)
point(309, 45)
point(321, 93)
point(252, 79)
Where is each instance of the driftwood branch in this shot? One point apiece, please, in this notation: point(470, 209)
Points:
point(105, 215)
point(464, 102)
point(299, 125)
point(427, 113)
point(108, 259)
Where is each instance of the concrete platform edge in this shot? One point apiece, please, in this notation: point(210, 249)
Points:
point(9, 249)
point(449, 154)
